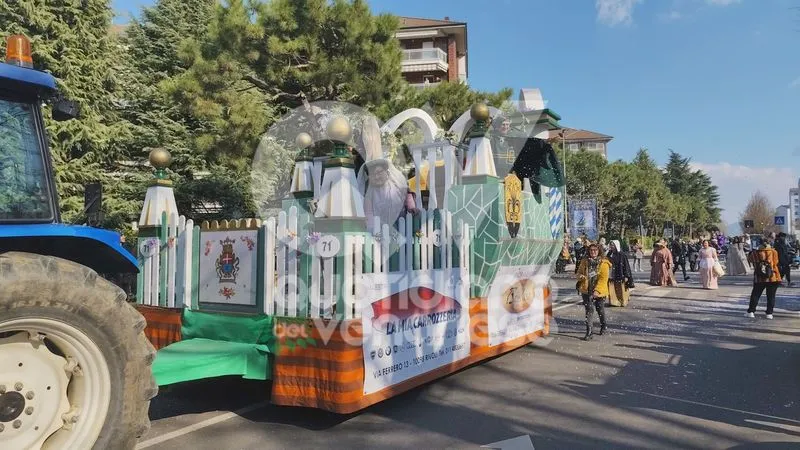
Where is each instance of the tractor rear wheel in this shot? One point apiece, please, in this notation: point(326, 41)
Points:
point(75, 366)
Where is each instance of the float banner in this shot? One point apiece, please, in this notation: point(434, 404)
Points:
point(516, 302)
point(583, 214)
point(411, 327)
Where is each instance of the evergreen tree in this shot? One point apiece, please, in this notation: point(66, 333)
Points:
point(696, 190)
point(152, 44)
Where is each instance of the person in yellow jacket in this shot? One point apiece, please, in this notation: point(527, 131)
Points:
point(593, 274)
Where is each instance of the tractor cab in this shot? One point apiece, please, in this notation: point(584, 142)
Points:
point(29, 216)
point(27, 193)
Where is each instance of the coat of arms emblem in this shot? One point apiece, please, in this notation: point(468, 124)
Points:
point(228, 262)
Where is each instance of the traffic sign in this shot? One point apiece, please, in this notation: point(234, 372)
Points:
point(780, 220)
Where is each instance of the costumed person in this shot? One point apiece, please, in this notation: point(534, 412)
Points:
point(661, 266)
point(679, 254)
point(536, 161)
point(580, 252)
point(621, 277)
point(767, 276)
point(564, 257)
point(593, 273)
point(385, 188)
point(708, 257)
point(737, 261)
point(694, 255)
point(638, 255)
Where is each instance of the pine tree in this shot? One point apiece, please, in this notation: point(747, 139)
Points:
point(71, 41)
point(151, 61)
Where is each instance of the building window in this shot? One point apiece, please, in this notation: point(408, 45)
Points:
point(596, 146)
point(574, 147)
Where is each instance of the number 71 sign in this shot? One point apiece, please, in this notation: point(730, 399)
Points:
point(328, 246)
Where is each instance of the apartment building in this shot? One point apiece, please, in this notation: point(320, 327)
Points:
point(794, 208)
point(433, 50)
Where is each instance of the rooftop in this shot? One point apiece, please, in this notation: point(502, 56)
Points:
point(575, 134)
point(417, 22)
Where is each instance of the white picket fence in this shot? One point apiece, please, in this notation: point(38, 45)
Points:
point(167, 265)
point(283, 287)
point(169, 275)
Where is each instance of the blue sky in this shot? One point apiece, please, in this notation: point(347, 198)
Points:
point(717, 80)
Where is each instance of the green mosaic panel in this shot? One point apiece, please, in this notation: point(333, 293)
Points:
point(481, 207)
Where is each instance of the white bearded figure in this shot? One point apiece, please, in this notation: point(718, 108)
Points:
point(384, 186)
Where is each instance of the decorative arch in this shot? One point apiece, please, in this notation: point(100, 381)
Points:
point(421, 118)
point(465, 121)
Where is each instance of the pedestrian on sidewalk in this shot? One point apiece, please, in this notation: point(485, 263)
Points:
point(593, 274)
point(621, 277)
point(638, 255)
point(767, 277)
point(708, 257)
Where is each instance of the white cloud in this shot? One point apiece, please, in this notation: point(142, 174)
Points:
point(615, 12)
point(722, 2)
point(737, 183)
point(795, 83)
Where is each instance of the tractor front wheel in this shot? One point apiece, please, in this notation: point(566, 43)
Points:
point(74, 362)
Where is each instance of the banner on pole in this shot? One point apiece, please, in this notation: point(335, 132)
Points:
point(583, 218)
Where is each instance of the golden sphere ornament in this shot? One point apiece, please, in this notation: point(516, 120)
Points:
point(303, 140)
point(339, 129)
point(160, 158)
point(479, 112)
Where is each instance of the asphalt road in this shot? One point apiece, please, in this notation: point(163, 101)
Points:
point(681, 368)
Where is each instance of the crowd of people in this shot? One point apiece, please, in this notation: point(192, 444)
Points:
point(604, 272)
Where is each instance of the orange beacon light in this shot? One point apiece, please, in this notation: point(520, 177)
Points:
point(18, 51)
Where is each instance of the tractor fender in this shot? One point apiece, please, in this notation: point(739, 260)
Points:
point(99, 250)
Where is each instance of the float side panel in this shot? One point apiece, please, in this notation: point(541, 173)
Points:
point(317, 377)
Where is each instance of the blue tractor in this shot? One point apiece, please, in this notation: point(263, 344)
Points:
point(74, 362)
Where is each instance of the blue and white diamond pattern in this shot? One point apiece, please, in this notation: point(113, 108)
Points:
point(556, 211)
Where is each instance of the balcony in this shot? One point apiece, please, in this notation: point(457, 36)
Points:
point(423, 85)
point(424, 59)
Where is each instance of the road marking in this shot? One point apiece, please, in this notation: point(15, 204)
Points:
point(200, 425)
point(713, 406)
point(570, 301)
point(523, 442)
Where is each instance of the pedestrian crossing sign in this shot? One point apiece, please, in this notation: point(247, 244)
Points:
point(780, 220)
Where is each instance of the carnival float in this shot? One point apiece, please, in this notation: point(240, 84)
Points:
point(339, 300)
